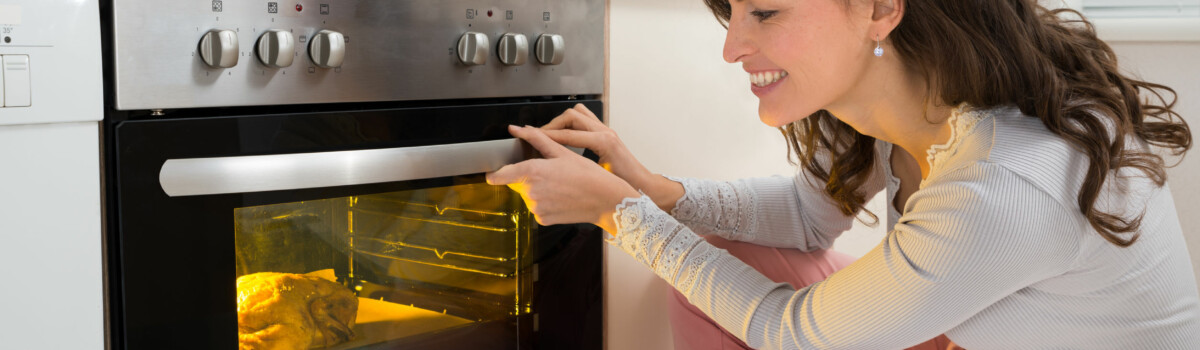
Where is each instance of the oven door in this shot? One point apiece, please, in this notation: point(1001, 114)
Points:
point(339, 230)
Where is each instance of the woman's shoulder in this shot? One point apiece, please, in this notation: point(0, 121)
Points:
point(1008, 140)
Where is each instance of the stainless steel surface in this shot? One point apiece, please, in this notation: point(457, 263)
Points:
point(550, 49)
point(276, 48)
point(473, 48)
point(327, 49)
point(201, 176)
point(394, 51)
point(219, 48)
point(513, 49)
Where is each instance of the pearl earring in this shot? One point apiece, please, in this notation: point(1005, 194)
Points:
point(878, 48)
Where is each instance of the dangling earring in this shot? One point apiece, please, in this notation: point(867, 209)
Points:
point(878, 48)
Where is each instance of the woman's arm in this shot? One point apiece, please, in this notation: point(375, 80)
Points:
point(972, 238)
point(779, 212)
point(786, 212)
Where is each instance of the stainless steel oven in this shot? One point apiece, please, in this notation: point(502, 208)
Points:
point(308, 174)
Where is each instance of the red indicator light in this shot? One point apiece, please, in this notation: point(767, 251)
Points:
point(489, 13)
point(299, 7)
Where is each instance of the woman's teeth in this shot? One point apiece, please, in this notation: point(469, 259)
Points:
point(762, 79)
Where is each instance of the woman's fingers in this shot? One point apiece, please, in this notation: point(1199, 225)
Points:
point(575, 119)
point(540, 141)
point(569, 119)
point(515, 176)
point(551, 187)
point(583, 109)
point(575, 138)
point(517, 173)
point(508, 174)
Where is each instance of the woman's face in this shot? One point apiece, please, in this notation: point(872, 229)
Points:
point(817, 48)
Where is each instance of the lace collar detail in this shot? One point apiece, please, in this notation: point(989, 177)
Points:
point(961, 121)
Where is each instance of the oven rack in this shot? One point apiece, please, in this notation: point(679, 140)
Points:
point(435, 221)
point(488, 220)
point(441, 254)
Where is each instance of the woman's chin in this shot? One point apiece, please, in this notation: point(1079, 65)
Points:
point(771, 122)
point(776, 119)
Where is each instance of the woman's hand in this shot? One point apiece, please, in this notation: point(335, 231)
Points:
point(563, 187)
point(579, 127)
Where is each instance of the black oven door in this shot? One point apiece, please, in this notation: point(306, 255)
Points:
point(340, 230)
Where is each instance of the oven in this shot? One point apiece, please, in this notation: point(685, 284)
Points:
point(309, 174)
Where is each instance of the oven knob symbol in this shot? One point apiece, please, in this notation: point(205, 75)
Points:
point(473, 48)
point(276, 48)
point(550, 49)
point(327, 49)
point(513, 49)
point(219, 48)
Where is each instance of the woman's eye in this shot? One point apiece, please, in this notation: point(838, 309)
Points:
point(762, 15)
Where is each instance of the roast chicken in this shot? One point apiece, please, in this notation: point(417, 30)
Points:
point(283, 311)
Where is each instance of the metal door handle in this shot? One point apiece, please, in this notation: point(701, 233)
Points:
point(202, 176)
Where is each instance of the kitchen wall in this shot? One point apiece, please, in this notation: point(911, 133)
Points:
point(684, 111)
point(1174, 65)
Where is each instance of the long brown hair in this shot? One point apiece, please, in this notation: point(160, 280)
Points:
point(1049, 63)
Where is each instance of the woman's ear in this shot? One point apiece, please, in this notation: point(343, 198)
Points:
point(883, 8)
point(886, 16)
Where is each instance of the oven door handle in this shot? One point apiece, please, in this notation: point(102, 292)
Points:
point(247, 174)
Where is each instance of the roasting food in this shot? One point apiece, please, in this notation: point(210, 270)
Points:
point(289, 311)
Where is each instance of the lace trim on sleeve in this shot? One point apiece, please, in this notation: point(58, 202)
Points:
point(686, 279)
point(655, 239)
point(727, 208)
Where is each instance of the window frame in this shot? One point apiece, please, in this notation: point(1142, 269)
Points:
point(1138, 29)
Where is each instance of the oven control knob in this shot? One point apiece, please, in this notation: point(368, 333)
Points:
point(473, 48)
point(327, 49)
point(550, 49)
point(513, 49)
point(219, 48)
point(276, 48)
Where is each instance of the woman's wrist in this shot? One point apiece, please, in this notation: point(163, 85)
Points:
point(606, 220)
point(663, 191)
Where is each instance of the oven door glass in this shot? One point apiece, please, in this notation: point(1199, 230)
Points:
point(365, 229)
point(352, 271)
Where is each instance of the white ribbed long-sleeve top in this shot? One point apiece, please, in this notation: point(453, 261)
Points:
point(991, 250)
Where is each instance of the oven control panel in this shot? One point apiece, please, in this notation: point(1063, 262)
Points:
point(217, 53)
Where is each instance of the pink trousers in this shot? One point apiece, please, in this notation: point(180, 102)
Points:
point(693, 330)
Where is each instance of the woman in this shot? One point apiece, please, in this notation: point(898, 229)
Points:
point(1028, 210)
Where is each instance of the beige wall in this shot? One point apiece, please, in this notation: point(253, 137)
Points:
point(1175, 65)
point(684, 111)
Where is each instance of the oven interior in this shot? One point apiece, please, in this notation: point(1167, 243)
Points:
point(417, 262)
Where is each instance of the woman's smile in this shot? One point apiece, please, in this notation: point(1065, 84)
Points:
point(763, 82)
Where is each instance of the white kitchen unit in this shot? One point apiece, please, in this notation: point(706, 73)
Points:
point(50, 229)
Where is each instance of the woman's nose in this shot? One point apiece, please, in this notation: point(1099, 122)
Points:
point(736, 45)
